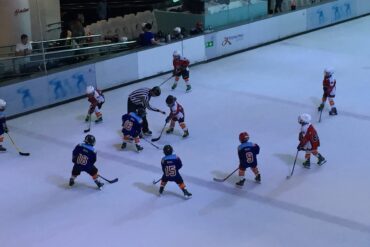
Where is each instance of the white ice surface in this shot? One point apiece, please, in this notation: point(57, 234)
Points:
point(261, 91)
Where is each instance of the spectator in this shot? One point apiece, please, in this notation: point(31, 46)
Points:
point(102, 10)
point(177, 33)
point(147, 38)
point(77, 28)
point(278, 6)
point(198, 29)
point(24, 48)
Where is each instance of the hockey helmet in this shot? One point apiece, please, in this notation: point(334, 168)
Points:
point(304, 118)
point(90, 89)
point(90, 140)
point(167, 150)
point(2, 104)
point(329, 71)
point(243, 136)
point(177, 29)
point(176, 54)
point(156, 91)
point(141, 112)
point(170, 100)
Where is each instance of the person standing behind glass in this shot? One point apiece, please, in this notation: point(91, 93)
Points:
point(147, 38)
point(101, 10)
point(24, 48)
point(278, 6)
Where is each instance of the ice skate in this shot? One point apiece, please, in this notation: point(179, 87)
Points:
point(169, 131)
point(307, 164)
point(99, 184)
point(186, 133)
point(147, 133)
point(138, 148)
point(321, 160)
point(174, 86)
point(123, 146)
point(258, 178)
point(87, 118)
point(2, 149)
point(161, 189)
point(333, 111)
point(241, 182)
point(99, 120)
point(188, 88)
point(71, 181)
point(187, 194)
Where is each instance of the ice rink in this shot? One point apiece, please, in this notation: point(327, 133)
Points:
point(261, 91)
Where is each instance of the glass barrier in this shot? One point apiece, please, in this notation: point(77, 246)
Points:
point(103, 38)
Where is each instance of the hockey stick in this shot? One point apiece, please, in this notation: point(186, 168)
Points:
point(166, 81)
point(89, 126)
point(224, 179)
point(109, 181)
point(320, 114)
point(20, 153)
point(295, 161)
point(151, 143)
point(156, 181)
point(159, 137)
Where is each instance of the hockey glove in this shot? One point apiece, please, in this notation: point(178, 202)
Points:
point(299, 147)
point(6, 130)
point(168, 119)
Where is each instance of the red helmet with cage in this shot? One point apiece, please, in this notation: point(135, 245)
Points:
point(243, 137)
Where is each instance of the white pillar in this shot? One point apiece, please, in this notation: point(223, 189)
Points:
point(15, 20)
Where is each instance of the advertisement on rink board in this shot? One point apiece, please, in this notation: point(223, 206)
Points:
point(330, 13)
point(43, 91)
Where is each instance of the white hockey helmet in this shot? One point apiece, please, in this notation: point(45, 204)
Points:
point(177, 30)
point(176, 54)
point(2, 104)
point(304, 118)
point(90, 89)
point(329, 71)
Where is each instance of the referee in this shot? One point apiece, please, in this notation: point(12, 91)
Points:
point(139, 99)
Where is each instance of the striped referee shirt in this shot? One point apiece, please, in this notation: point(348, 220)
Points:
point(142, 97)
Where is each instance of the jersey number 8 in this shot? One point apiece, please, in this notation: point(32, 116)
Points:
point(82, 159)
point(249, 156)
point(127, 125)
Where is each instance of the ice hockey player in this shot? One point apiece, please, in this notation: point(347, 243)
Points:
point(171, 164)
point(96, 99)
point(140, 99)
point(84, 158)
point(247, 152)
point(329, 86)
point(3, 127)
point(176, 114)
point(309, 140)
point(180, 68)
point(131, 128)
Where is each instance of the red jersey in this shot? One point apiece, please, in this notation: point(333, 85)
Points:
point(329, 84)
point(180, 63)
point(308, 137)
point(177, 111)
point(95, 98)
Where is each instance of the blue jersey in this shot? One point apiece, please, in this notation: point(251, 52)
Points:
point(2, 122)
point(84, 156)
point(171, 164)
point(131, 124)
point(247, 153)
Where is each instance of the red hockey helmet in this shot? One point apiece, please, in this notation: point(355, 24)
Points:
point(243, 137)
